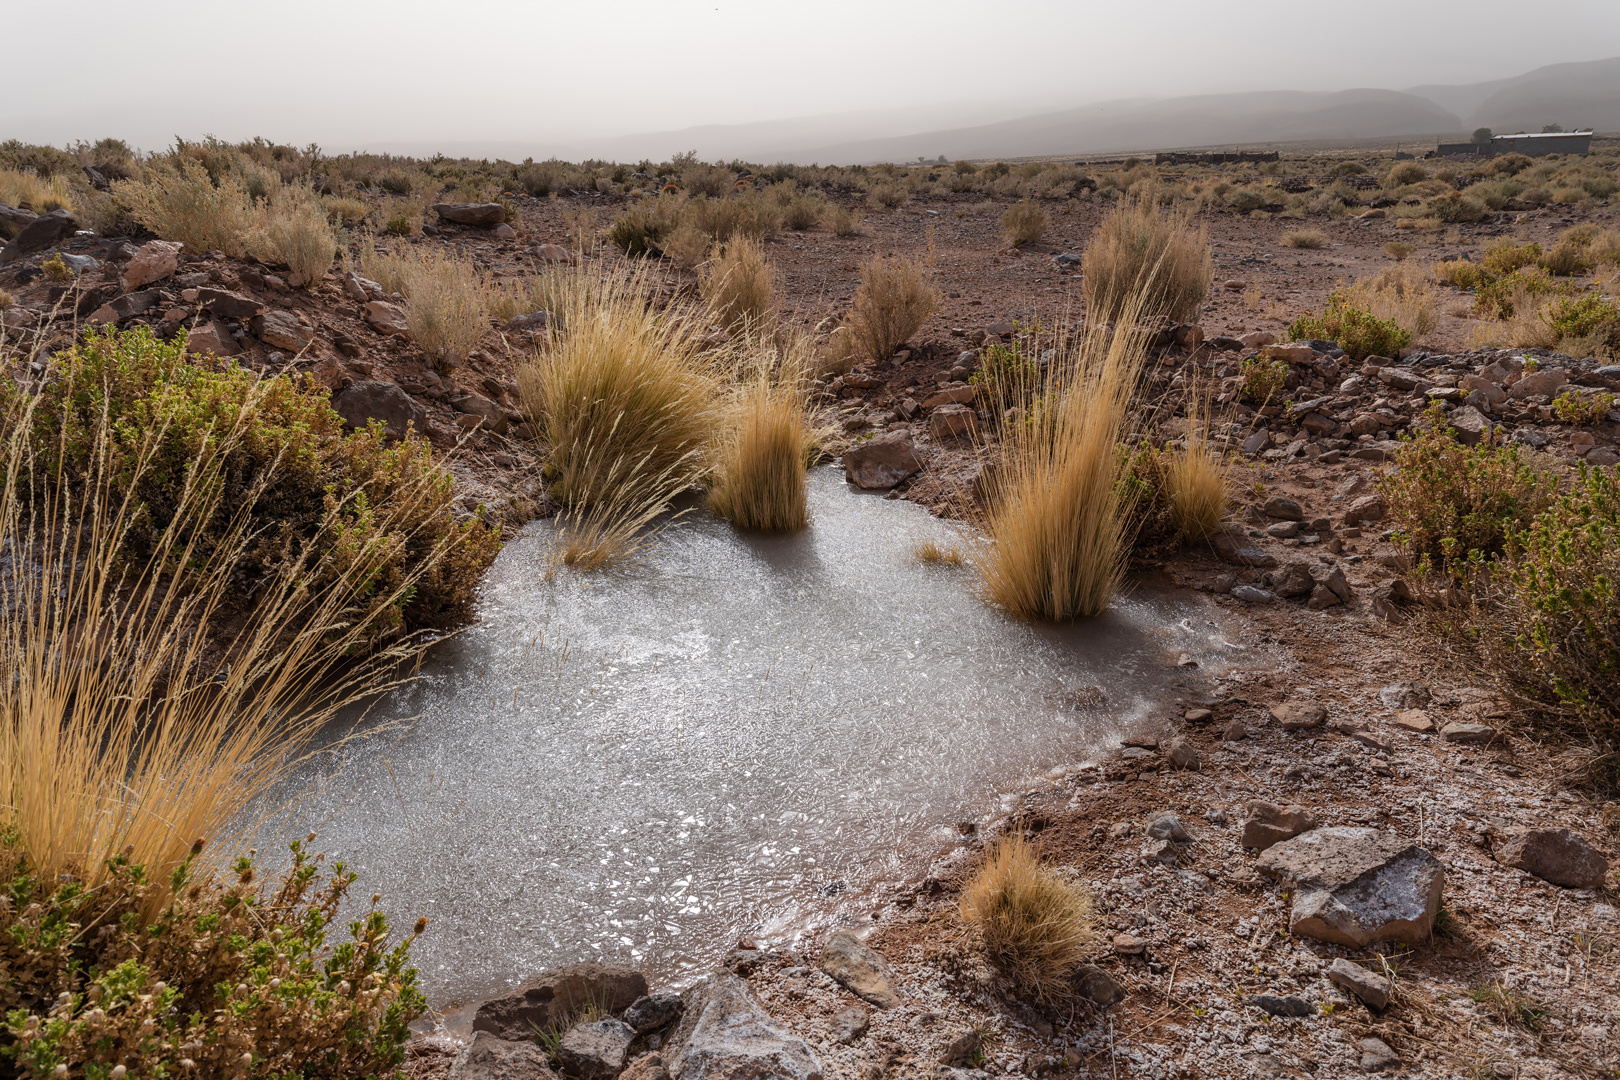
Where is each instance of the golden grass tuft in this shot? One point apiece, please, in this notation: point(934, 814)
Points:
point(846, 222)
point(445, 298)
point(1024, 222)
point(932, 553)
point(1403, 293)
point(1057, 528)
point(28, 191)
point(296, 229)
point(1307, 239)
point(762, 445)
point(895, 298)
point(1143, 258)
point(1198, 479)
point(739, 286)
point(1035, 925)
point(1398, 249)
point(179, 201)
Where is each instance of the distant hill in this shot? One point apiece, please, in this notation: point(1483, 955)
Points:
point(1204, 120)
point(1574, 95)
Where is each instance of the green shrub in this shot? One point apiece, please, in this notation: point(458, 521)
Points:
point(1505, 258)
point(1455, 506)
point(1263, 380)
point(1008, 377)
point(1587, 316)
point(1404, 173)
point(221, 977)
point(1358, 332)
point(1500, 297)
point(313, 491)
point(1582, 409)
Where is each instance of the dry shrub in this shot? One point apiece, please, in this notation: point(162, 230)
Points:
point(739, 286)
point(688, 246)
point(931, 553)
point(1058, 528)
point(1035, 925)
point(296, 230)
point(179, 201)
point(444, 298)
point(762, 445)
point(28, 191)
point(803, 212)
point(1197, 479)
point(1398, 249)
point(1025, 222)
point(1402, 294)
point(1310, 239)
point(622, 394)
point(895, 298)
point(846, 222)
point(1148, 259)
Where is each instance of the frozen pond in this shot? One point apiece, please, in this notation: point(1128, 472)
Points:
point(733, 736)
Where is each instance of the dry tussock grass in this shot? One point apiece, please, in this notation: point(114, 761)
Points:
point(1024, 222)
point(445, 298)
point(762, 445)
point(1198, 478)
point(932, 553)
point(1148, 259)
point(28, 191)
point(1306, 239)
point(739, 286)
point(1403, 293)
point(1035, 925)
point(1058, 529)
point(895, 298)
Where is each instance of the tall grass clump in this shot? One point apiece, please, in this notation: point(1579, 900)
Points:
point(1197, 478)
point(445, 299)
point(179, 201)
point(1402, 294)
point(626, 399)
point(1058, 525)
point(1144, 258)
point(893, 301)
point(763, 443)
point(1034, 924)
point(1024, 222)
point(739, 286)
point(29, 191)
point(295, 229)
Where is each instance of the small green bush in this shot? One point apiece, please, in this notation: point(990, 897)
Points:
point(199, 975)
point(314, 491)
point(1357, 331)
point(1008, 377)
point(1263, 380)
point(1500, 297)
point(1582, 409)
point(1455, 506)
point(1506, 258)
point(1587, 316)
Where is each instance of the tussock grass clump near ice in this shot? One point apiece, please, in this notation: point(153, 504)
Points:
point(1148, 260)
point(763, 443)
point(1034, 924)
point(739, 286)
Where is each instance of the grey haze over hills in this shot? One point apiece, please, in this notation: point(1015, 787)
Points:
point(1578, 94)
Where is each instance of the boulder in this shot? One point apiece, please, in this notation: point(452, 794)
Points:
point(1470, 425)
point(39, 234)
point(595, 1050)
point(492, 416)
point(483, 214)
point(726, 1035)
point(1469, 734)
point(1366, 508)
point(1281, 506)
point(1539, 384)
point(1354, 886)
point(552, 253)
point(363, 402)
point(1369, 987)
point(953, 421)
point(1414, 720)
point(228, 304)
point(155, 260)
point(283, 330)
point(14, 221)
point(1297, 715)
point(503, 231)
point(1181, 754)
point(1251, 595)
point(1293, 354)
point(1556, 855)
point(554, 998)
point(1097, 986)
point(1269, 824)
point(881, 462)
point(489, 1058)
point(387, 319)
point(1294, 579)
point(651, 1013)
point(1232, 545)
point(1167, 826)
point(861, 970)
point(1492, 392)
point(955, 395)
point(212, 338)
point(1257, 441)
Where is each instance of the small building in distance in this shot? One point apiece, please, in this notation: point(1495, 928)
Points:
point(1531, 144)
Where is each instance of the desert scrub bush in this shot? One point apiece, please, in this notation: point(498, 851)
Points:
point(178, 200)
point(623, 394)
point(1008, 377)
point(208, 974)
point(1404, 173)
point(1504, 257)
point(893, 301)
point(444, 299)
point(1460, 273)
point(1309, 239)
point(846, 222)
point(739, 286)
point(1454, 207)
point(29, 191)
point(1397, 249)
point(1518, 292)
point(1582, 409)
point(803, 212)
point(1455, 506)
point(1588, 317)
point(1034, 924)
point(1570, 256)
point(294, 229)
point(1357, 331)
point(1024, 222)
point(762, 445)
point(888, 196)
point(316, 496)
point(1143, 256)
point(1058, 526)
point(56, 268)
point(1263, 380)
point(1401, 294)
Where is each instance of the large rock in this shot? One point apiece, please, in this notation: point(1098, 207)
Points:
point(1556, 855)
point(283, 330)
point(155, 260)
point(387, 319)
point(881, 462)
point(725, 1035)
point(491, 416)
point(554, 998)
point(1492, 392)
point(1269, 824)
point(952, 422)
point(596, 1050)
point(1366, 508)
point(1298, 715)
point(1539, 383)
point(1355, 886)
point(651, 1013)
point(230, 305)
point(862, 971)
point(489, 1058)
point(14, 221)
point(362, 402)
point(39, 234)
point(1371, 988)
point(956, 395)
point(1233, 546)
point(212, 338)
point(487, 213)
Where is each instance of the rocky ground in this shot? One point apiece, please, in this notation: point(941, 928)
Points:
point(1458, 944)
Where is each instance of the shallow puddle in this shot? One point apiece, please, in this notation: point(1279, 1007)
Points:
point(737, 735)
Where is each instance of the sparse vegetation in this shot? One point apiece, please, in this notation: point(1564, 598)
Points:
point(1310, 239)
point(895, 298)
point(1400, 294)
point(1148, 260)
point(1024, 222)
point(1035, 925)
point(1584, 410)
point(1263, 380)
point(739, 286)
point(1357, 331)
point(761, 449)
point(1397, 249)
point(932, 553)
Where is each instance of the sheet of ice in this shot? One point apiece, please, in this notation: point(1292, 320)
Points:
point(735, 733)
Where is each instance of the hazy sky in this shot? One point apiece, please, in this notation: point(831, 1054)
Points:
point(356, 74)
